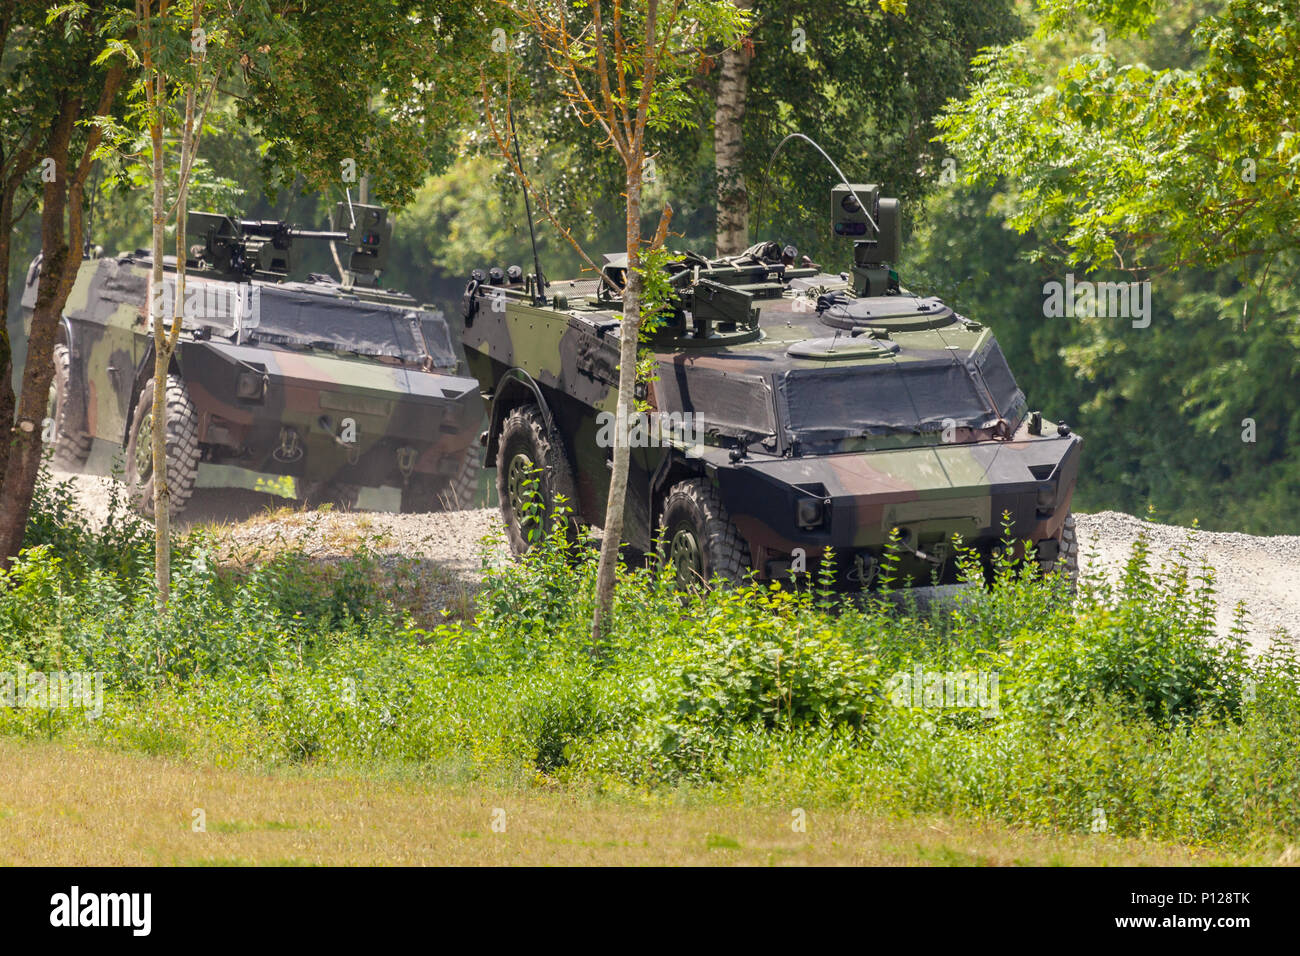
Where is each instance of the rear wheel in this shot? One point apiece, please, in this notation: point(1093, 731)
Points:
point(1067, 553)
point(699, 539)
point(182, 438)
point(422, 493)
point(533, 473)
point(71, 447)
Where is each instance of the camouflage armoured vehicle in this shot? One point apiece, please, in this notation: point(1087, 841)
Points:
point(792, 411)
point(312, 389)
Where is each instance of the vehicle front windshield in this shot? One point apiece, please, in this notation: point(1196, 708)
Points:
point(898, 397)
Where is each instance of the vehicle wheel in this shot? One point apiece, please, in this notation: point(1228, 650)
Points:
point(1067, 554)
point(699, 539)
point(182, 436)
point(464, 488)
point(526, 451)
point(339, 495)
point(423, 494)
point(71, 447)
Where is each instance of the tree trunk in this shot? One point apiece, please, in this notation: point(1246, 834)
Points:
point(166, 335)
point(161, 361)
point(24, 460)
point(631, 333)
point(728, 147)
point(7, 397)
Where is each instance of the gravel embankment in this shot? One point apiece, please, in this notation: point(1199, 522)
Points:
point(1262, 572)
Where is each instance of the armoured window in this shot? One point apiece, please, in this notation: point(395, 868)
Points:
point(1001, 384)
point(726, 401)
point(880, 399)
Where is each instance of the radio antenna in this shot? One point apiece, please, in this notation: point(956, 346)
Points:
point(844, 180)
point(539, 288)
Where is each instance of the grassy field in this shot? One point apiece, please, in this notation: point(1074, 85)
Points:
point(88, 806)
point(1030, 711)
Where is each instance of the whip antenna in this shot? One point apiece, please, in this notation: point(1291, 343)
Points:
point(539, 289)
point(844, 180)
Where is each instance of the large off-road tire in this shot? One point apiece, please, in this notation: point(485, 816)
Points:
point(699, 539)
point(464, 487)
point(182, 436)
point(528, 450)
point(424, 494)
point(70, 446)
point(1067, 553)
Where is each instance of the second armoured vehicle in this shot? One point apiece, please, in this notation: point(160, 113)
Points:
point(315, 389)
point(791, 411)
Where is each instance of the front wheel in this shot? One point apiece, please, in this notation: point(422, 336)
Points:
point(699, 539)
point(533, 474)
point(71, 446)
point(182, 440)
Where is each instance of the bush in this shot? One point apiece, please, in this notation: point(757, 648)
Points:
point(1115, 700)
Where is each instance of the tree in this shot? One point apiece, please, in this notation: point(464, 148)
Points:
point(728, 145)
point(383, 90)
point(831, 49)
point(624, 75)
point(1145, 168)
point(183, 50)
point(69, 86)
point(1191, 415)
point(20, 136)
point(863, 81)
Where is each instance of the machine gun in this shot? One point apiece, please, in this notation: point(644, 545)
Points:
point(263, 248)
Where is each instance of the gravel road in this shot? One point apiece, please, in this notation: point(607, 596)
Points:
point(1262, 572)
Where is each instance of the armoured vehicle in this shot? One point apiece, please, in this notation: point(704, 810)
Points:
point(791, 411)
point(312, 389)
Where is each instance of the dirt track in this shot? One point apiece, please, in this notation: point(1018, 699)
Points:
point(1262, 572)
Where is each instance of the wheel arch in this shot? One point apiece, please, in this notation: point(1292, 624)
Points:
point(144, 372)
point(78, 393)
point(516, 387)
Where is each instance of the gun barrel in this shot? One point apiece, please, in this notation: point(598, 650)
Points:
point(272, 228)
point(317, 234)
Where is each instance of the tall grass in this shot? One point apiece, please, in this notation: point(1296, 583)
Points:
point(1114, 704)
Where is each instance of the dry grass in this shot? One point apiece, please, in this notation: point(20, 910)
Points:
point(63, 806)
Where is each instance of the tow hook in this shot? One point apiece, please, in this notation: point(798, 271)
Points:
point(936, 555)
point(290, 446)
point(406, 460)
point(864, 569)
point(327, 426)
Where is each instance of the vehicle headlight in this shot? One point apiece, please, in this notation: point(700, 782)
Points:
point(810, 512)
point(251, 386)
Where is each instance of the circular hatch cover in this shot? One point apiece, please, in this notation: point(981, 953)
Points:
point(891, 313)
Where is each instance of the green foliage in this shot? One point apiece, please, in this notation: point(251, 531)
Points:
point(122, 544)
point(388, 87)
point(861, 77)
point(1124, 150)
point(1120, 700)
point(1121, 162)
point(865, 80)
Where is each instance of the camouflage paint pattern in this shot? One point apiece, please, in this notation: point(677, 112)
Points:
point(770, 364)
point(318, 414)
